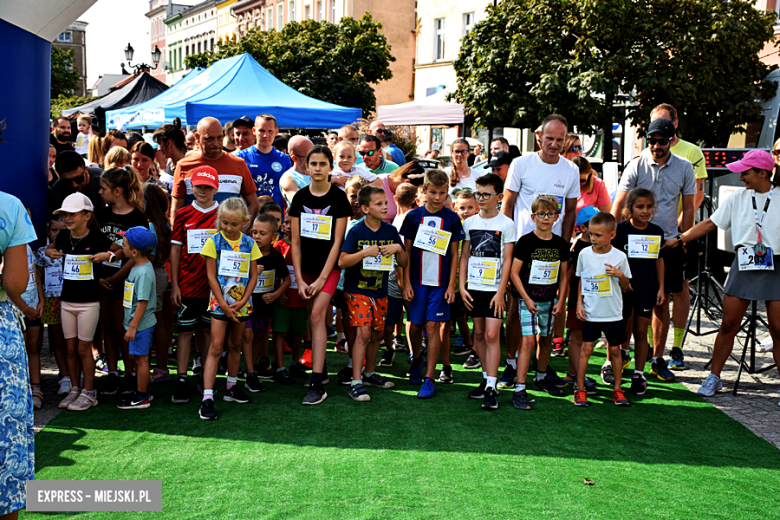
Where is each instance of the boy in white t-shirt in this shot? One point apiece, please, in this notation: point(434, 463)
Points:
point(604, 276)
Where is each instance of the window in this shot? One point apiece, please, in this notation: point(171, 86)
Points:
point(319, 11)
point(332, 11)
point(291, 17)
point(438, 42)
point(198, 47)
point(307, 14)
point(269, 19)
point(212, 44)
point(187, 50)
point(468, 22)
point(279, 15)
point(65, 37)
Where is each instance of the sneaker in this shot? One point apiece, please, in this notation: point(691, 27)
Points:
point(638, 385)
point(112, 384)
point(306, 359)
point(520, 400)
point(129, 384)
point(37, 397)
point(472, 362)
point(72, 396)
point(548, 384)
point(428, 389)
point(136, 401)
point(508, 378)
point(325, 380)
point(558, 348)
point(358, 393)
point(197, 367)
point(677, 359)
point(580, 398)
point(478, 392)
point(297, 370)
point(377, 381)
point(181, 391)
point(235, 395)
point(331, 331)
point(315, 395)
point(83, 402)
point(607, 374)
point(64, 386)
point(415, 375)
point(207, 411)
point(461, 350)
point(341, 346)
point(490, 401)
point(263, 368)
point(619, 398)
point(660, 370)
point(387, 358)
point(626, 357)
point(345, 376)
point(553, 376)
point(283, 377)
point(101, 365)
point(159, 376)
point(445, 376)
point(590, 386)
point(399, 345)
point(710, 386)
point(253, 383)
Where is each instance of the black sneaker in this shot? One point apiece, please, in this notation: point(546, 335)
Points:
point(520, 400)
point(446, 375)
point(461, 350)
point(263, 368)
point(283, 377)
point(508, 378)
point(181, 392)
point(478, 392)
point(547, 384)
point(325, 381)
point(222, 366)
point(358, 393)
point(638, 385)
point(297, 370)
point(136, 401)
point(377, 381)
point(387, 358)
point(315, 395)
point(129, 384)
point(112, 384)
point(399, 345)
point(345, 376)
point(253, 383)
point(235, 395)
point(490, 401)
point(207, 411)
point(607, 374)
point(472, 361)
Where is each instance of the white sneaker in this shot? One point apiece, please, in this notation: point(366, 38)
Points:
point(72, 396)
point(766, 345)
point(710, 386)
point(64, 386)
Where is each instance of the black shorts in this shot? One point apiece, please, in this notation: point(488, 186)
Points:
point(456, 307)
point(340, 302)
point(481, 304)
point(674, 270)
point(630, 306)
point(615, 331)
point(32, 323)
point(191, 311)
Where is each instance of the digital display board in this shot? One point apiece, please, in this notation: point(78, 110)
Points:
point(718, 158)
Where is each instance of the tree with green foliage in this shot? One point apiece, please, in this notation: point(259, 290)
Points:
point(64, 102)
point(336, 63)
point(529, 58)
point(64, 75)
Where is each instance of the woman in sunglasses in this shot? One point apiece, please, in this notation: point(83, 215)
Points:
point(572, 147)
point(593, 191)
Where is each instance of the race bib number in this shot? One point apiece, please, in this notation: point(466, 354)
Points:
point(596, 285)
point(233, 264)
point(127, 296)
point(432, 239)
point(77, 267)
point(748, 260)
point(544, 273)
point(316, 226)
point(31, 280)
point(52, 279)
point(482, 270)
point(196, 239)
point(265, 282)
point(293, 281)
point(641, 246)
point(378, 263)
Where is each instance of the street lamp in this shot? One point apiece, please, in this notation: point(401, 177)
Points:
point(156, 55)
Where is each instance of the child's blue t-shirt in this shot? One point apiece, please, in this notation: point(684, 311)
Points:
point(363, 281)
point(425, 267)
point(143, 288)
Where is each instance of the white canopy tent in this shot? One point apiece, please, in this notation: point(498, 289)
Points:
point(431, 110)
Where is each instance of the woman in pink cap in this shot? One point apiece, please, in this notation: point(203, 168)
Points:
point(754, 222)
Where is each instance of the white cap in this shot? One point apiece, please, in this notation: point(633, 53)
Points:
point(76, 202)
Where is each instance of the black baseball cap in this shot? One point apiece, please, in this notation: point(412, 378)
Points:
point(243, 121)
point(500, 159)
point(662, 126)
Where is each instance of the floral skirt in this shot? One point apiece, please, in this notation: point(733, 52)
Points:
point(17, 457)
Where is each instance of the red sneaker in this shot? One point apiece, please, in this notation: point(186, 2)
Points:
point(558, 348)
point(619, 398)
point(581, 397)
point(306, 359)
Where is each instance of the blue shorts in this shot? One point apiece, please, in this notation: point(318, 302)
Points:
point(540, 323)
point(395, 311)
point(428, 304)
point(142, 343)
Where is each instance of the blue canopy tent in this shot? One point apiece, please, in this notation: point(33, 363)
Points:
point(239, 86)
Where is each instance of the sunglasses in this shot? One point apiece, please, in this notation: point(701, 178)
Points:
point(369, 153)
point(77, 180)
point(484, 195)
point(543, 215)
point(460, 152)
point(380, 131)
point(654, 141)
point(576, 148)
point(775, 152)
point(585, 180)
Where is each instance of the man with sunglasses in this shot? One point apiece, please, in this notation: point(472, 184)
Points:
point(370, 149)
point(670, 177)
point(74, 177)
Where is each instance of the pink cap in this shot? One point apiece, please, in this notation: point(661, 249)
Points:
point(760, 159)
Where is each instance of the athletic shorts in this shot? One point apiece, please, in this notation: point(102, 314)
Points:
point(192, 310)
point(290, 319)
point(674, 267)
point(365, 311)
point(339, 302)
point(629, 305)
point(32, 323)
point(258, 323)
point(428, 304)
point(161, 284)
point(52, 314)
point(395, 311)
point(572, 321)
point(615, 332)
point(481, 305)
point(80, 319)
point(221, 317)
point(142, 343)
point(456, 307)
point(540, 323)
point(330, 284)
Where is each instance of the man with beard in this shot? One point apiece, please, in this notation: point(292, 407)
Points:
point(60, 134)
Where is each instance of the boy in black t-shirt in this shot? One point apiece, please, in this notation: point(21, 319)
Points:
point(537, 275)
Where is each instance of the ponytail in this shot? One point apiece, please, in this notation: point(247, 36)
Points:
point(126, 179)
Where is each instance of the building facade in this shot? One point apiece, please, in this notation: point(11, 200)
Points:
point(191, 31)
point(159, 10)
point(75, 38)
point(227, 26)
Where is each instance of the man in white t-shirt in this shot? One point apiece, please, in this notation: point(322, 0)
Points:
point(545, 172)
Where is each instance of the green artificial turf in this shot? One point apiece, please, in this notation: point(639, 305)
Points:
point(668, 455)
